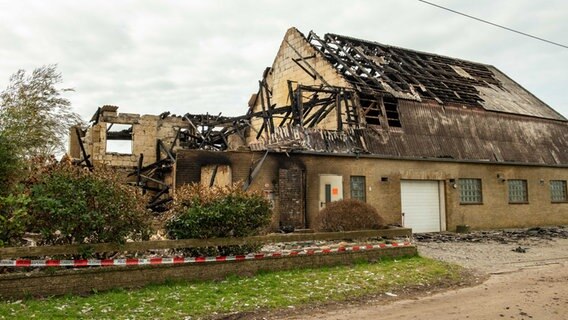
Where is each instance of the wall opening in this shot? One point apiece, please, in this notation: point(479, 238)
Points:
point(371, 109)
point(391, 108)
point(119, 138)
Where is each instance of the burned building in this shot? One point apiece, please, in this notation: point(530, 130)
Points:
point(432, 142)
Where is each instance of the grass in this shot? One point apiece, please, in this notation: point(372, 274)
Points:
point(267, 290)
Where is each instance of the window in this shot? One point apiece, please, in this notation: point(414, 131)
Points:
point(470, 191)
point(391, 108)
point(358, 188)
point(377, 109)
point(371, 108)
point(518, 191)
point(558, 191)
point(119, 138)
point(327, 193)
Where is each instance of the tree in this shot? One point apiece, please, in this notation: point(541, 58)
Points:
point(10, 166)
point(34, 116)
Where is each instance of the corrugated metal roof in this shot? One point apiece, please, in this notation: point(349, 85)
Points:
point(430, 131)
point(510, 97)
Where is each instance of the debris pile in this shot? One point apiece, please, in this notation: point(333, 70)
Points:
point(286, 247)
point(500, 236)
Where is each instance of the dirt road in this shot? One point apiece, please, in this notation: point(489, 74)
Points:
point(530, 285)
point(532, 293)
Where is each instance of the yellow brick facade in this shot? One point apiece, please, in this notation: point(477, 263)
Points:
point(494, 212)
point(146, 130)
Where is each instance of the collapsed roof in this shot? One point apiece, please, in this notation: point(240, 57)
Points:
point(414, 75)
point(408, 104)
point(391, 102)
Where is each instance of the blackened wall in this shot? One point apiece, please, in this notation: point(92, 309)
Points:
point(383, 179)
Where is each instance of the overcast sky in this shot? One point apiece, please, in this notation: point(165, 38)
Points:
point(207, 56)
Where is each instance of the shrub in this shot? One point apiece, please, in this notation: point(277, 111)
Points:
point(348, 215)
point(73, 205)
point(201, 212)
point(14, 218)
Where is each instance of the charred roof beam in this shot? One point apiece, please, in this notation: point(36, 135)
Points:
point(327, 48)
point(344, 47)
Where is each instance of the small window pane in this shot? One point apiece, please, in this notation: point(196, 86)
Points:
point(358, 188)
point(558, 191)
point(518, 191)
point(327, 193)
point(470, 190)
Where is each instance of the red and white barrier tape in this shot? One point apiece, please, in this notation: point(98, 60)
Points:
point(179, 260)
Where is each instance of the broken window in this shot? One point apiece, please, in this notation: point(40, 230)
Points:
point(518, 191)
point(119, 138)
point(377, 109)
point(358, 188)
point(470, 191)
point(558, 191)
point(371, 108)
point(391, 108)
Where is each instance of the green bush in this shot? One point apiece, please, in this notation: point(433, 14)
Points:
point(348, 215)
point(14, 218)
point(203, 213)
point(70, 204)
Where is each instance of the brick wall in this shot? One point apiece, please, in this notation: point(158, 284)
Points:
point(494, 212)
point(146, 129)
point(291, 197)
point(18, 285)
point(189, 163)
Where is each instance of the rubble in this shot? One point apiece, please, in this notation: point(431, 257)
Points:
point(298, 246)
point(499, 236)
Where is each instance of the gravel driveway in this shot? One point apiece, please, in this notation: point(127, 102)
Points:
point(498, 251)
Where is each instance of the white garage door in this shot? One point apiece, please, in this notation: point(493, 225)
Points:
point(420, 200)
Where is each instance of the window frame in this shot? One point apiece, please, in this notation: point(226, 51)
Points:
point(564, 185)
point(122, 145)
point(525, 186)
point(363, 190)
point(479, 189)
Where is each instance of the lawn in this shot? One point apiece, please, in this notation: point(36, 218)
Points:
point(269, 290)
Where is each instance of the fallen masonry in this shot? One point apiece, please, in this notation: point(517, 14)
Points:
point(501, 236)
